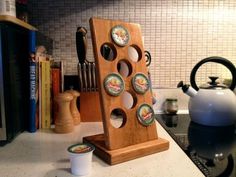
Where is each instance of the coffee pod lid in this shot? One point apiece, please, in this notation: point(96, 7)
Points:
point(145, 114)
point(120, 35)
point(140, 83)
point(81, 148)
point(114, 84)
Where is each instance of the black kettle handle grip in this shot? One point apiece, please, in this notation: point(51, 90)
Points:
point(228, 64)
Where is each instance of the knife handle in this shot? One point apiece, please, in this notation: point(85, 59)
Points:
point(85, 42)
point(81, 43)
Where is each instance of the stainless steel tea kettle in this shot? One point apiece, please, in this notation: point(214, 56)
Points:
point(213, 104)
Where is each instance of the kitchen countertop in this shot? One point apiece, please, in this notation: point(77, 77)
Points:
point(43, 154)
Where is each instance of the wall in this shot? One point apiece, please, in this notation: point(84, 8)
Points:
point(162, 94)
point(178, 33)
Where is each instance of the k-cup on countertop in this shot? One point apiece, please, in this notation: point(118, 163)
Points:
point(44, 154)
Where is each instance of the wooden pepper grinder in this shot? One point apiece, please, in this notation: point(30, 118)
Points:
point(73, 106)
point(64, 122)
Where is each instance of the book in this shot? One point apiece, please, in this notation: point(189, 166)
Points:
point(56, 84)
point(60, 65)
point(40, 56)
point(32, 116)
point(32, 83)
point(46, 123)
point(37, 95)
point(62, 75)
point(45, 110)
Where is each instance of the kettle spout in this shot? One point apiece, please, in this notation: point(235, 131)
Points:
point(187, 89)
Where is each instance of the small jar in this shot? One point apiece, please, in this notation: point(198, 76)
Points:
point(8, 7)
point(171, 106)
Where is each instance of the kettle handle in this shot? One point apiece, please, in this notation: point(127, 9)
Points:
point(228, 64)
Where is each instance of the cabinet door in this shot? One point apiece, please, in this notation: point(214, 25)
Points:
point(3, 135)
point(15, 78)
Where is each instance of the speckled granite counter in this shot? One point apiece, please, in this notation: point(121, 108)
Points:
point(43, 154)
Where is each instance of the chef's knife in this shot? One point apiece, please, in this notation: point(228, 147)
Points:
point(81, 44)
point(94, 77)
point(106, 50)
point(89, 76)
point(80, 77)
point(84, 77)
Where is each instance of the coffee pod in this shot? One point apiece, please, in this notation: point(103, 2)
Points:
point(114, 84)
point(81, 158)
point(145, 114)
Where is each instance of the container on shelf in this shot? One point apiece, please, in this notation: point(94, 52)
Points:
point(171, 106)
point(8, 7)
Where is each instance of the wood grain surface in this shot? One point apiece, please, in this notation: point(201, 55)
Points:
point(133, 132)
point(90, 110)
point(11, 19)
point(120, 155)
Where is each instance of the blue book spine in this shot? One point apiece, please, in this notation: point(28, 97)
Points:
point(32, 79)
point(32, 41)
point(32, 116)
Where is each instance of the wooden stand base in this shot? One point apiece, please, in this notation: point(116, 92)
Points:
point(127, 153)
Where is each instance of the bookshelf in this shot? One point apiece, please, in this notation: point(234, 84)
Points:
point(16, 21)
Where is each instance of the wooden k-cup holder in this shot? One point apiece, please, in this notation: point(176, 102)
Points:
point(137, 135)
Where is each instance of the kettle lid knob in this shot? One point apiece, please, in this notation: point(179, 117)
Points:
point(213, 80)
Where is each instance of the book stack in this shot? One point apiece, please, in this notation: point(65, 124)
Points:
point(45, 84)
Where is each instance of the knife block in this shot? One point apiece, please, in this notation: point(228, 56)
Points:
point(90, 109)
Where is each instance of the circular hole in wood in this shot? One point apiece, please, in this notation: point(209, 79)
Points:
point(128, 100)
point(134, 53)
point(108, 51)
point(124, 68)
point(118, 118)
